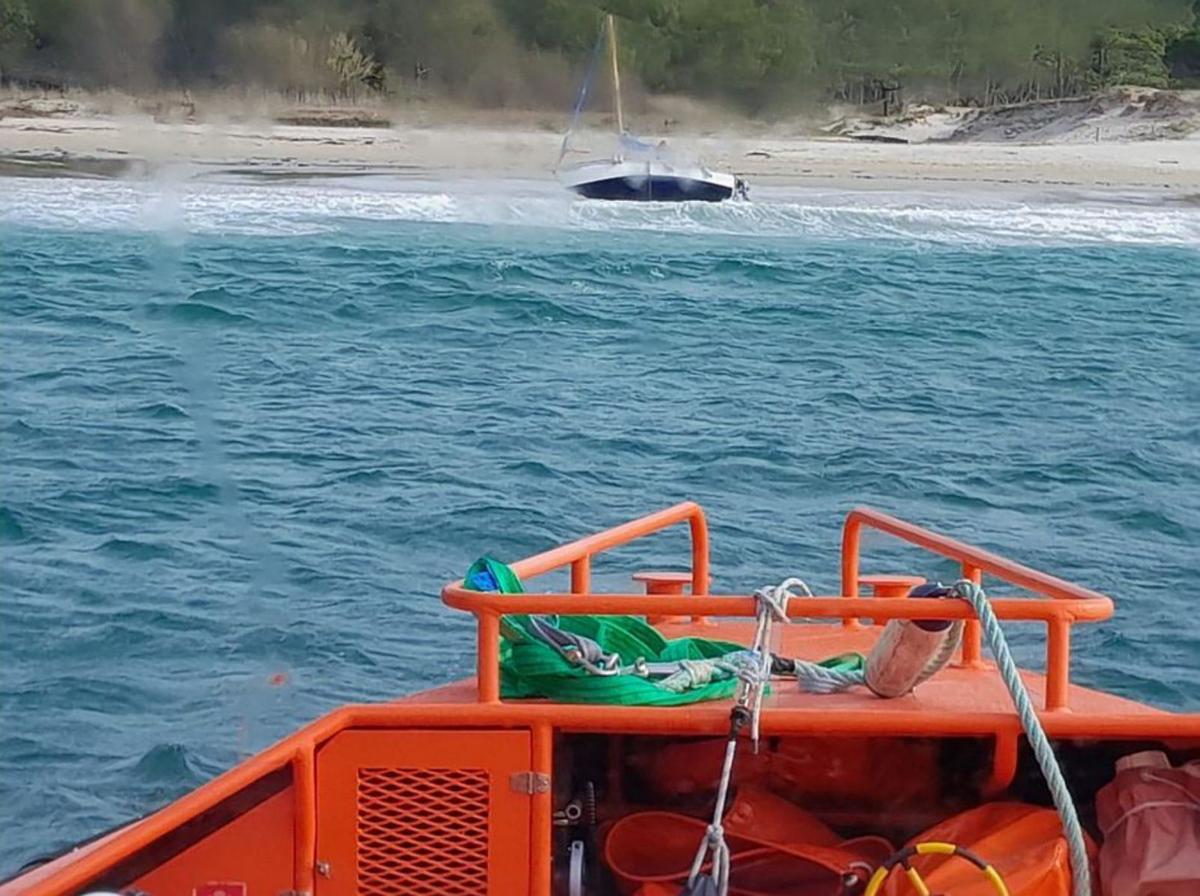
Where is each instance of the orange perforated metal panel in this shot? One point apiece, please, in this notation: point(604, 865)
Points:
point(423, 831)
point(419, 813)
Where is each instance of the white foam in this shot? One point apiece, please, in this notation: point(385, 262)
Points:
point(254, 206)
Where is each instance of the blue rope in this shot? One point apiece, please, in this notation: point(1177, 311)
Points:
point(993, 634)
point(818, 679)
point(583, 92)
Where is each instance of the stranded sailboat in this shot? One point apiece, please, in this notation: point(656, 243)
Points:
point(637, 170)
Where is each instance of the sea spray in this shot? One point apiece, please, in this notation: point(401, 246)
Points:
point(254, 691)
point(255, 206)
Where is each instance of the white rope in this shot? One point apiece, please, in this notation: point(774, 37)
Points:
point(945, 653)
point(754, 672)
point(993, 634)
point(817, 679)
point(714, 837)
point(814, 678)
point(1142, 807)
point(695, 673)
point(772, 603)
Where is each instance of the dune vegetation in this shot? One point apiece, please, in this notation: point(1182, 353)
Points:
point(759, 56)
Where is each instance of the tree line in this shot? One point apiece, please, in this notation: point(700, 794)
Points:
point(764, 56)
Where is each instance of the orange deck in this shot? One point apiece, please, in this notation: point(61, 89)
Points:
point(292, 819)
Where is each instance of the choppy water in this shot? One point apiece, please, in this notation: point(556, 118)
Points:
point(249, 428)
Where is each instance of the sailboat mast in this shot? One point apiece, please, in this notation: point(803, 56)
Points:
point(616, 75)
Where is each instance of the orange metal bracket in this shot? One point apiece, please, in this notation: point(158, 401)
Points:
point(666, 583)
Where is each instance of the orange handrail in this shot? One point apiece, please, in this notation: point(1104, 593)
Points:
point(986, 561)
point(578, 553)
point(1070, 604)
point(1075, 599)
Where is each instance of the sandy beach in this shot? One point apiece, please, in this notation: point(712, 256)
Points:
point(526, 146)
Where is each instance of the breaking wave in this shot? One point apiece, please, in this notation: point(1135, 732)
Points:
point(318, 205)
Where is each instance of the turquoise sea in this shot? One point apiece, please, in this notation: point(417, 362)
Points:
point(249, 427)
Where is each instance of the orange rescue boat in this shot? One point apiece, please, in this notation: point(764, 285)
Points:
point(464, 790)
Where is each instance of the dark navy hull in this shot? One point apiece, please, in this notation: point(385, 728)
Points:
point(653, 189)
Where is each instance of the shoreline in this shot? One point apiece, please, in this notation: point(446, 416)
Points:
point(84, 146)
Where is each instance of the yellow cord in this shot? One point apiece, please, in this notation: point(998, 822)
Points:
point(993, 875)
point(917, 881)
point(936, 848)
point(931, 848)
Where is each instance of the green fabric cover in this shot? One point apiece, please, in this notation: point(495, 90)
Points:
point(531, 668)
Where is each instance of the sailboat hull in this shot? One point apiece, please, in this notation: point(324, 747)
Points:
point(654, 189)
point(655, 181)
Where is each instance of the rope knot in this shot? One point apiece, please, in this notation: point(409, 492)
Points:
point(773, 599)
point(691, 674)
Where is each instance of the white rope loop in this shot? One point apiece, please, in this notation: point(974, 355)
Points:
point(772, 606)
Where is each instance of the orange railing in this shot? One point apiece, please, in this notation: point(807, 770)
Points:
point(579, 553)
point(1068, 603)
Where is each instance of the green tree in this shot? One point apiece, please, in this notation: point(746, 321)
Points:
point(351, 66)
point(16, 32)
point(1131, 57)
point(1182, 54)
point(761, 54)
